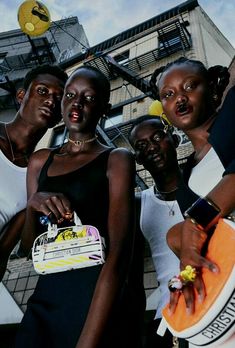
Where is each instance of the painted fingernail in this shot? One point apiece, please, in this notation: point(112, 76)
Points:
point(214, 269)
point(188, 311)
point(200, 298)
point(170, 312)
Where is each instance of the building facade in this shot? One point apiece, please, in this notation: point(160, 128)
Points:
point(19, 53)
point(128, 60)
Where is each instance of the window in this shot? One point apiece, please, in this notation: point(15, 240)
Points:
point(169, 42)
point(113, 118)
point(173, 37)
point(123, 57)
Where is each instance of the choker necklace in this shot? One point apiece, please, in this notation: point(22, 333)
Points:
point(164, 192)
point(170, 207)
point(80, 143)
point(25, 156)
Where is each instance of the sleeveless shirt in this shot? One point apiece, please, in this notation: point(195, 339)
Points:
point(13, 196)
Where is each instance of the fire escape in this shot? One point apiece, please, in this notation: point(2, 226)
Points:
point(173, 37)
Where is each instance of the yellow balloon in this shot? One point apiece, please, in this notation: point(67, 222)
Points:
point(33, 17)
point(156, 109)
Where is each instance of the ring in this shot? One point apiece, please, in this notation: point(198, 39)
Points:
point(68, 216)
point(49, 214)
point(188, 275)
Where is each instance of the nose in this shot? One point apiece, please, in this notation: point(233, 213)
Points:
point(50, 100)
point(77, 103)
point(181, 98)
point(153, 146)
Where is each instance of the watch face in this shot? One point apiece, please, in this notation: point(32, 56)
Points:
point(203, 212)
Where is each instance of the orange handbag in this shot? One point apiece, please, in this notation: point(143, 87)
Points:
point(214, 320)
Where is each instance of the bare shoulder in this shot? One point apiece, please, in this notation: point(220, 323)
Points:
point(38, 159)
point(121, 153)
point(121, 161)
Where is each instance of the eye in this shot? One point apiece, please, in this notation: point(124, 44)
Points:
point(42, 90)
point(69, 95)
point(90, 98)
point(158, 137)
point(189, 86)
point(167, 94)
point(141, 146)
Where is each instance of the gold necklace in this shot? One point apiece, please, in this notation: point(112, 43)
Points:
point(14, 158)
point(170, 208)
point(80, 143)
point(165, 192)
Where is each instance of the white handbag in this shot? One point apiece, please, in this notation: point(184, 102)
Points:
point(68, 248)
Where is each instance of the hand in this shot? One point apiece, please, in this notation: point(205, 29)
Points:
point(52, 204)
point(192, 240)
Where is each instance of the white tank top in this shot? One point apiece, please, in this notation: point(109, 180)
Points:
point(13, 196)
point(155, 221)
point(206, 174)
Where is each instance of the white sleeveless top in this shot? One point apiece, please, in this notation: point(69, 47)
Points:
point(155, 222)
point(13, 196)
point(206, 174)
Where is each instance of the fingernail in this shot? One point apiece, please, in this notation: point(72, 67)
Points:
point(170, 312)
point(214, 269)
point(200, 298)
point(188, 311)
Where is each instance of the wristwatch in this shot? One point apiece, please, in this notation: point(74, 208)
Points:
point(204, 213)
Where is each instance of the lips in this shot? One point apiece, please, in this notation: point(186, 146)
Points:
point(46, 111)
point(155, 158)
point(183, 109)
point(75, 116)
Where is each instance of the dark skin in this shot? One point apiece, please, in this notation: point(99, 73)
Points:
point(186, 100)
point(39, 110)
point(156, 152)
point(85, 100)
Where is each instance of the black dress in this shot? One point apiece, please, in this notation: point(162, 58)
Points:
point(57, 310)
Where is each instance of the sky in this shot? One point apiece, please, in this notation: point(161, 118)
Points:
point(102, 19)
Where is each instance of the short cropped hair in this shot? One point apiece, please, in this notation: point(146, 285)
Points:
point(100, 75)
point(143, 118)
point(53, 70)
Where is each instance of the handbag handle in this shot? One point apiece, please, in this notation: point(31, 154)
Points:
point(52, 228)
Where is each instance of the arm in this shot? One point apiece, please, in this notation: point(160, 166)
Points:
point(121, 176)
point(9, 238)
point(187, 240)
point(43, 202)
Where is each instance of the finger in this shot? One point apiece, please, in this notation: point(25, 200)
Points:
point(204, 262)
point(189, 297)
point(64, 207)
point(174, 298)
point(200, 288)
point(52, 208)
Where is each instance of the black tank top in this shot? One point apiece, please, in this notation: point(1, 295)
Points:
point(87, 189)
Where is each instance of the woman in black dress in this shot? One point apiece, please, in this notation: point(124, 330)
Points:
point(88, 307)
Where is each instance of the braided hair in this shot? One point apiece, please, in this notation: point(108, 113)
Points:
point(217, 77)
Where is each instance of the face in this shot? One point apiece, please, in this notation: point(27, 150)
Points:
point(83, 102)
point(41, 104)
point(154, 148)
point(185, 98)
